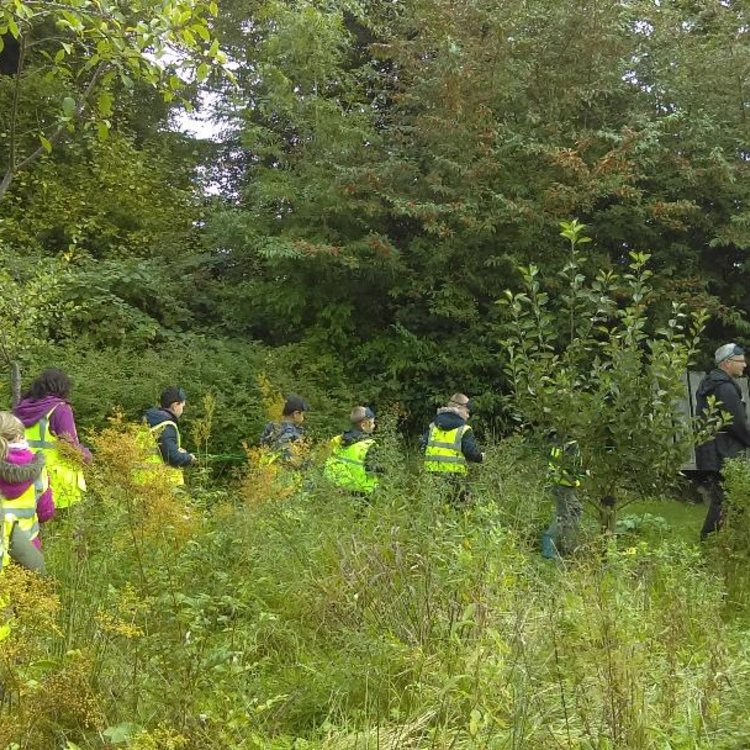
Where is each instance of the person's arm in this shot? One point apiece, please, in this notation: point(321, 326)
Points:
point(23, 551)
point(171, 453)
point(267, 434)
point(424, 440)
point(45, 506)
point(62, 424)
point(731, 402)
point(470, 449)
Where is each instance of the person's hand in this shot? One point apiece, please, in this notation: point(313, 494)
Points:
point(193, 459)
point(484, 455)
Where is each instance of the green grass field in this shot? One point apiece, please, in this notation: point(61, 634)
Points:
point(681, 520)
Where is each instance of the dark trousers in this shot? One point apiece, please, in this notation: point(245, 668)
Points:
point(456, 488)
point(715, 493)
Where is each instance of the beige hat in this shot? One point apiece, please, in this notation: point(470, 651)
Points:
point(360, 414)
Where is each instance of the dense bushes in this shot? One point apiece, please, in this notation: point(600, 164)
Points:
point(242, 376)
point(313, 621)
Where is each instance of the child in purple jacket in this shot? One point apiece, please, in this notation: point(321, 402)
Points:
point(24, 485)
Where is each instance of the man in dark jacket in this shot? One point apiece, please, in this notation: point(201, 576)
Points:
point(449, 444)
point(733, 437)
point(163, 425)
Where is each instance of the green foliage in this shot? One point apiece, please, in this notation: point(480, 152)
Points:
point(81, 53)
point(131, 379)
point(315, 621)
point(729, 548)
point(389, 167)
point(592, 365)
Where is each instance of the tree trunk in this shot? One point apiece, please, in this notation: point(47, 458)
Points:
point(608, 514)
point(15, 383)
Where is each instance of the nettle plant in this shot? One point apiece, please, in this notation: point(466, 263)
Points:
point(592, 364)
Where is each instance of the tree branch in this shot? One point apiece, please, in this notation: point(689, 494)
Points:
point(10, 172)
point(14, 168)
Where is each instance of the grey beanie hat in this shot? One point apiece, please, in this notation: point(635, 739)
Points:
point(725, 351)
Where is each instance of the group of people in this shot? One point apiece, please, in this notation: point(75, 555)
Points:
point(449, 446)
point(40, 469)
point(41, 456)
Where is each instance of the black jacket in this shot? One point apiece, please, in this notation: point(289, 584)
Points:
point(733, 437)
point(167, 439)
point(447, 419)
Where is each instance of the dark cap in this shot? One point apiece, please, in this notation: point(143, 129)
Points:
point(294, 403)
point(171, 395)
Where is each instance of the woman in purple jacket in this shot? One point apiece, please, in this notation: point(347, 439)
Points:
point(48, 419)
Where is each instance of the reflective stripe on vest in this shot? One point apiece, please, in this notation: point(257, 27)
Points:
point(8, 522)
point(346, 466)
point(23, 507)
point(67, 479)
point(443, 453)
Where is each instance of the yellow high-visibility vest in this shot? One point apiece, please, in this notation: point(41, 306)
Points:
point(154, 462)
point(8, 523)
point(66, 479)
point(443, 454)
point(346, 466)
point(23, 507)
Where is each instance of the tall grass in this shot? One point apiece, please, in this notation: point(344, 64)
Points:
point(310, 619)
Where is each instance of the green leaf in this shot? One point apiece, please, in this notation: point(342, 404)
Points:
point(202, 32)
point(13, 28)
point(104, 103)
point(69, 106)
point(202, 71)
point(102, 129)
point(46, 143)
point(121, 733)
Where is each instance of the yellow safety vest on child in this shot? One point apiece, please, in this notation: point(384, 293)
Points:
point(8, 523)
point(346, 466)
point(153, 463)
point(23, 507)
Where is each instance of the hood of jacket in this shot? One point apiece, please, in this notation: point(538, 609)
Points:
point(354, 436)
point(712, 381)
point(156, 415)
point(447, 418)
point(31, 410)
point(15, 473)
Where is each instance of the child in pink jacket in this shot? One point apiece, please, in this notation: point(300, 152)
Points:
point(24, 485)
